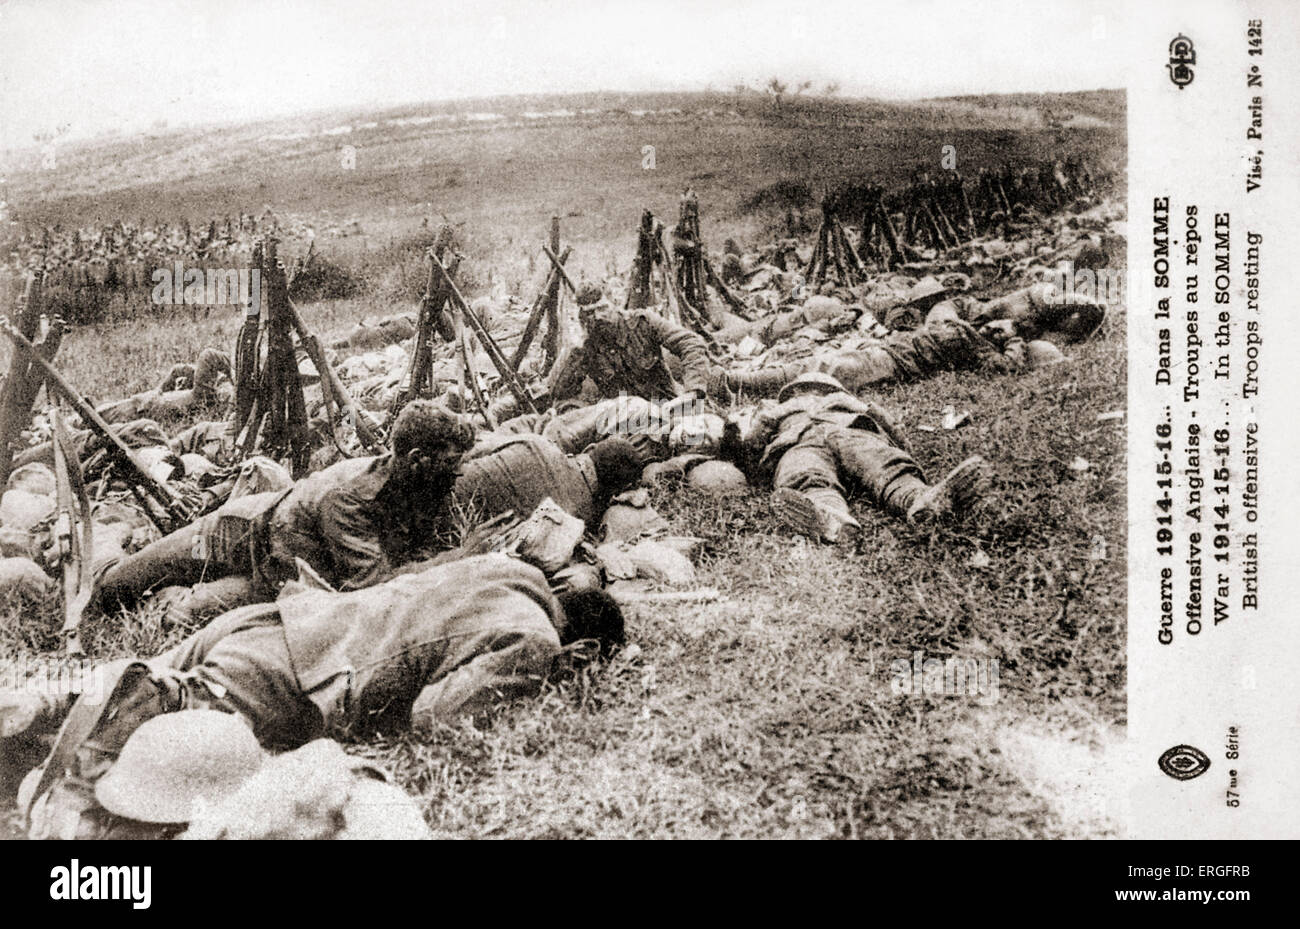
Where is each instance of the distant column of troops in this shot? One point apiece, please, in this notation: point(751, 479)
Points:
point(86, 269)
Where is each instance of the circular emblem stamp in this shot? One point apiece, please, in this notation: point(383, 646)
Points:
point(1184, 762)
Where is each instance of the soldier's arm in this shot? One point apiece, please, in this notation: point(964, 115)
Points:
point(767, 421)
point(512, 665)
point(567, 374)
point(689, 349)
point(576, 429)
point(1010, 306)
point(353, 541)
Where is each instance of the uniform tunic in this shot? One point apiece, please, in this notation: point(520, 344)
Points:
point(423, 647)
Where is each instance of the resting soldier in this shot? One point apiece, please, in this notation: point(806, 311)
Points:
point(426, 647)
point(526, 469)
point(185, 388)
point(949, 344)
point(353, 523)
point(623, 354)
point(819, 434)
point(1041, 308)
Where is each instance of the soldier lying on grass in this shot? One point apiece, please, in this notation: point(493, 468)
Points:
point(353, 522)
point(820, 437)
point(523, 470)
point(429, 646)
point(185, 389)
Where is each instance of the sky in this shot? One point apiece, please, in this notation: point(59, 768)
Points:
point(79, 67)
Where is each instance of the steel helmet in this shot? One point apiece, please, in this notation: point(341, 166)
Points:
point(177, 763)
point(814, 381)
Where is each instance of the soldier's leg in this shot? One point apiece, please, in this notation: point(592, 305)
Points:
point(178, 558)
point(807, 494)
point(125, 410)
point(895, 482)
point(765, 382)
point(209, 548)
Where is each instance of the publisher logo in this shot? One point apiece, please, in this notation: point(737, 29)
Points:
point(1182, 55)
point(1183, 762)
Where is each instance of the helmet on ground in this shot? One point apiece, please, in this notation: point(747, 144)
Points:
point(1040, 353)
point(176, 764)
point(812, 382)
point(717, 478)
point(926, 289)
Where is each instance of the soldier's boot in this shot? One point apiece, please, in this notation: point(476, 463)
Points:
point(823, 521)
point(961, 489)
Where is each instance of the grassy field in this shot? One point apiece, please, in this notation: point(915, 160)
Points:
point(768, 711)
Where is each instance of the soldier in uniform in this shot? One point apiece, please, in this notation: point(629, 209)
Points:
point(1041, 308)
point(426, 647)
point(623, 354)
point(942, 344)
point(353, 523)
point(820, 437)
point(185, 388)
point(522, 471)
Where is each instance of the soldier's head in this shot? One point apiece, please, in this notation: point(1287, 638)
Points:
point(591, 615)
point(428, 443)
point(733, 268)
point(700, 433)
point(589, 295)
point(599, 319)
point(618, 465)
point(998, 331)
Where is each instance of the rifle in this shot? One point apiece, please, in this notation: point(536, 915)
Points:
point(640, 288)
point(176, 513)
point(731, 299)
point(499, 361)
point(429, 319)
point(535, 315)
point(286, 429)
point(21, 385)
point(330, 379)
point(689, 315)
point(75, 549)
point(467, 372)
point(247, 351)
point(558, 265)
point(551, 343)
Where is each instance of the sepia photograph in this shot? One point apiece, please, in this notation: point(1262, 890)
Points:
point(589, 420)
